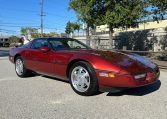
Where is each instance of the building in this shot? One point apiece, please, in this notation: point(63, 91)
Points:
point(148, 36)
point(142, 26)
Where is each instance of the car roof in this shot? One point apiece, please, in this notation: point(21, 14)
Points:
point(56, 38)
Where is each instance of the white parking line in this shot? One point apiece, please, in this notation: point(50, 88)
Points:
point(7, 79)
point(3, 58)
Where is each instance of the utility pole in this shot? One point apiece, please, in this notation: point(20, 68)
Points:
point(41, 14)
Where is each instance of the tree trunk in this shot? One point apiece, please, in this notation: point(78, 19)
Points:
point(78, 33)
point(87, 36)
point(72, 35)
point(111, 33)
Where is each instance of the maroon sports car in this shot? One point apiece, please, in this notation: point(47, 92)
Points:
point(87, 70)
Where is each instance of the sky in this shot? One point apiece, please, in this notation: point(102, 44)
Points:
point(22, 13)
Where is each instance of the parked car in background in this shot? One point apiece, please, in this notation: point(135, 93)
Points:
point(87, 70)
point(4, 42)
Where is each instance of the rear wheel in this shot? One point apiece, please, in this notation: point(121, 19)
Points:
point(20, 69)
point(83, 79)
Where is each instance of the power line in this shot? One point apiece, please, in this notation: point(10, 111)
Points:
point(6, 30)
point(19, 10)
point(18, 26)
point(34, 12)
point(57, 15)
point(10, 23)
point(2, 17)
point(48, 13)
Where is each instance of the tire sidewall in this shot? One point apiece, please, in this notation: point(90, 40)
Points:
point(93, 79)
point(24, 69)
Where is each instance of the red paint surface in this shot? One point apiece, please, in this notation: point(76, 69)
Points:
point(55, 63)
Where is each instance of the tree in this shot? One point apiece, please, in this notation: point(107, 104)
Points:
point(13, 39)
point(51, 34)
point(33, 33)
point(159, 9)
point(69, 28)
point(114, 13)
point(83, 9)
point(77, 27)
point(119, 14)
point(28, 31)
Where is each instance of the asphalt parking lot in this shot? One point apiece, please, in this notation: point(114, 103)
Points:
point(41, 97)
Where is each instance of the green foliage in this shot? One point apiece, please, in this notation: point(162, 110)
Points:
point(28, 31)
point(115, 13)
point(51, 34)
point(123, 13)
point(13, 39)
point(85, 12)
point(159, 9)
point(35, 35)
point(76, 26)
point(71, 27)
point(33, 32)
point(68, 28)
point(83, 9)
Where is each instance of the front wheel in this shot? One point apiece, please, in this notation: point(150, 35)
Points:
point(83, 79)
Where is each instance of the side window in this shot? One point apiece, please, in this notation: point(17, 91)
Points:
point(74, 44)
point(39, 43)
point(57, 45)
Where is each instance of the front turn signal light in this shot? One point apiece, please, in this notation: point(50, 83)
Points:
point(111, 75)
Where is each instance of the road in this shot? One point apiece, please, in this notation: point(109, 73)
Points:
point(41, 97)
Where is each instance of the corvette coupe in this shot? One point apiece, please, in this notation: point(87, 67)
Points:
point(88, 70)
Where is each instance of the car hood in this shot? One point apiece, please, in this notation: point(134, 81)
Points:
point(130, 62)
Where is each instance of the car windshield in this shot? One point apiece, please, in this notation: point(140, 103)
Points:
point(62, 44)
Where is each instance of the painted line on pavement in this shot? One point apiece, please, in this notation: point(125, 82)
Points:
point(3, 58)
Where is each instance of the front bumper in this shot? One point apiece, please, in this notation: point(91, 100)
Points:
point(122, 82)
point(120, 89)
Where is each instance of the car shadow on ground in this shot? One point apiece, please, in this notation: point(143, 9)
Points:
point(53, 78)
point(141, 91)
point(66, 81)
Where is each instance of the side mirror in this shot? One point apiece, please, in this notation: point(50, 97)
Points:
point(44, 49)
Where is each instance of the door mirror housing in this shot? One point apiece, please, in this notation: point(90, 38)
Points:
point(44, 49)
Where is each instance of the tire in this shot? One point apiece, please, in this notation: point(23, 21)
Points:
point(20, 68)
point(83, 79)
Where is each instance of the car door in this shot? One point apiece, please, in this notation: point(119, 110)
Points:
point(41, 62)
point(61, 57)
